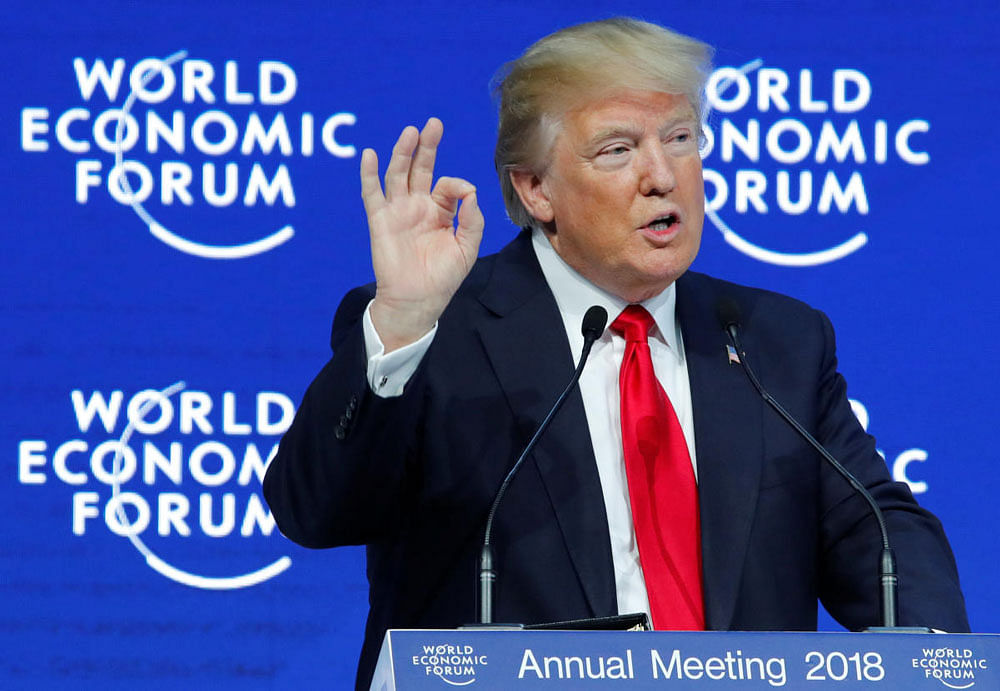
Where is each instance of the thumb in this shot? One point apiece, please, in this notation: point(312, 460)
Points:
point(470, 225)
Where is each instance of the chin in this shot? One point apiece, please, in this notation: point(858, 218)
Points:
point(647, 288)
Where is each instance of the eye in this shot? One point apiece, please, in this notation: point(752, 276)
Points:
point(682, 141)
point(615, 150)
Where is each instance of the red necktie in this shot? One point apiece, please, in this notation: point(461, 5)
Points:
point(661, 484)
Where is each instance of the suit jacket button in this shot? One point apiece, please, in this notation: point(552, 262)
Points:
point(343, 422)
point(353, 405)
point(340, 433)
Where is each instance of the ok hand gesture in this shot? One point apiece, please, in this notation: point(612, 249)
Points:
point(418, 254)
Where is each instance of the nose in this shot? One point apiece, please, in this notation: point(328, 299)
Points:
point(657, 173)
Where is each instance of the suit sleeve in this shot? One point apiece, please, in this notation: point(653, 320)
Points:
point(850, 544)
point(343, 470)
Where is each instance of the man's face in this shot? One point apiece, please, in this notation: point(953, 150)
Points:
point(623, 197)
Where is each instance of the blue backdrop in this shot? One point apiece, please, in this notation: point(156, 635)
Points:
point(850, 163)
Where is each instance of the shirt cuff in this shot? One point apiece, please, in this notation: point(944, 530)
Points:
point(388, 374)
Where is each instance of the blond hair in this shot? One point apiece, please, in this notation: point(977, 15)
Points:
point(579, 64)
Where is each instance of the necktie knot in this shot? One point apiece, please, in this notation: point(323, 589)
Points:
point(634, 323)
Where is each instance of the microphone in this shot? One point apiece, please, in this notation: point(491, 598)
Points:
point(729, 317)
point(594, 322)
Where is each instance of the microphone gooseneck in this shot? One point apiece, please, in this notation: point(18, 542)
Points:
point(729, 317)
point(593, 325)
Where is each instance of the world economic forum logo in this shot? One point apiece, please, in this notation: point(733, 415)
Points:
point(178, 139)
point(780, 143)
point(955, 668)
point(177, 472)
point(455, 665)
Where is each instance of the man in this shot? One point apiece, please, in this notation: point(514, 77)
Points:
point(664, 485)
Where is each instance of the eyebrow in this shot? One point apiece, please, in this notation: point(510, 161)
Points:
point(624, 130)
point(632, 130)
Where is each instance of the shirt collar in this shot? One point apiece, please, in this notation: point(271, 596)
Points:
point(575, 294)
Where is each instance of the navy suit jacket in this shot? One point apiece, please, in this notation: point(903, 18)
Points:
point(413, 477)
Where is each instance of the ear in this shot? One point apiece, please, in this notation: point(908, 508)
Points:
point(533, 193)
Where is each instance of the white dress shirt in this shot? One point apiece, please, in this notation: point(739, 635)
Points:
point(388, 374)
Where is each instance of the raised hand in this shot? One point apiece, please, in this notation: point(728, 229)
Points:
point(418, 254)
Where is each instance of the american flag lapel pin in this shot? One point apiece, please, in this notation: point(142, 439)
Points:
point(733, 357)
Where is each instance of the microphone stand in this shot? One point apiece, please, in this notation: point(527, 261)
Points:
point(888, 578)
point(594, 322)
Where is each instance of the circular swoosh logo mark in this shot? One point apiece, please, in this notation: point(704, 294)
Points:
point(763, 254)
point(158, 230)
point(155, 562)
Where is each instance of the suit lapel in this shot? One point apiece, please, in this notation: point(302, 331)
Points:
point(530, 355)
point(727, 426)
point(531, 358)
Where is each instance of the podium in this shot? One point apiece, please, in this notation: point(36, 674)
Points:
point(502, 659)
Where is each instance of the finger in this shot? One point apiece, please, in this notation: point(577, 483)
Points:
point(470, 225)
point(371, 188)
point(397, 174)
point(422, 170)
point(448, 191)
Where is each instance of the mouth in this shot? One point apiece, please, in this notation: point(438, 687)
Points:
point(663, 223)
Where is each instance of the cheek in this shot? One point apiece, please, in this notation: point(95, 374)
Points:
point(695, 180)
point(587, 215)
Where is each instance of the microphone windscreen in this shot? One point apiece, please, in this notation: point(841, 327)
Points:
point(594, 322)
point(728, 312)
